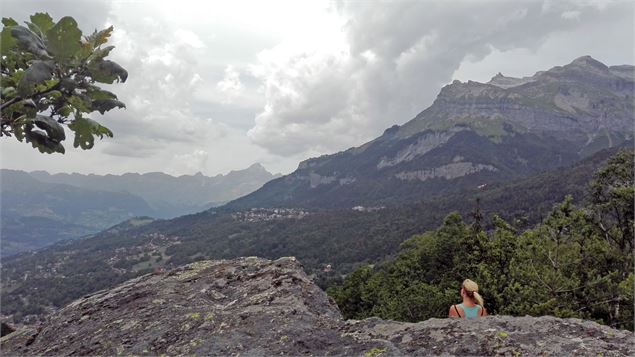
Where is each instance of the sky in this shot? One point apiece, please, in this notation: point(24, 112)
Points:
point(216, 86)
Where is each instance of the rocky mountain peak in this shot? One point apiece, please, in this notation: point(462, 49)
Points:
point(624, 71)
point(256, 167)
point(588, 62)
point(254, 306)
point(501, 81)
point(585, 89)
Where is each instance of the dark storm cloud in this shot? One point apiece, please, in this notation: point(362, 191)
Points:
point(400, 54)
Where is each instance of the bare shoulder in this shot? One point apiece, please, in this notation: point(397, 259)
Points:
point(452, 312)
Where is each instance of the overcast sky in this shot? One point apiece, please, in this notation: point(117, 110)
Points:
point(216, 86)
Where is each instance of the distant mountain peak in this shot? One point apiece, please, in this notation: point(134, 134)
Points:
point(256, 166)
point(253, 169)
point(588, 61)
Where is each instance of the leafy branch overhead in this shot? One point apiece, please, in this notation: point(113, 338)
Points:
point(49, 79)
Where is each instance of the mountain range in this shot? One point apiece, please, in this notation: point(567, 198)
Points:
point(473, 134)
point(169, 196)
point(39, 208)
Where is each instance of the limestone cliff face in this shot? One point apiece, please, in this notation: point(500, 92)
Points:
point(504, 129)
point(582, 98)
point(253, 306)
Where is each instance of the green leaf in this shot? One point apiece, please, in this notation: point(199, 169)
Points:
point(8, 81)
point(64, 39)
point(68, 84)
point(47, 141)
point(53, 129)
point(8, 92)
point(42, 142)
point(7, 21)
point(47, 85)
point(55, 94)
point(7, 42)
point(81, 104)
point(100, 53)
point(85, 51)
point(38, 71)
point(35, 29)
point(26, 107)
point(43, 21)
point(107, 71)
point(65, 111)
point(28, 41)
point(85, 129)
point(104, 105)
point(97, 39)
point(96, 93)
point(18, 126)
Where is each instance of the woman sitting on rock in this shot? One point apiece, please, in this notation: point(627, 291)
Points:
point(472, 305)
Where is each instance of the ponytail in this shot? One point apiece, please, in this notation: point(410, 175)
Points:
point(479, 299)
point(471, 289)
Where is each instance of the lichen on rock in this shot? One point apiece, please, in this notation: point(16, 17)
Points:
point(254, 306)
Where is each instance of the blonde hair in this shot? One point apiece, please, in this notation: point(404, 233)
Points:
point(471, 290)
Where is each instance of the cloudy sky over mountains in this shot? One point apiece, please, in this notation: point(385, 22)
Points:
point(219, 85)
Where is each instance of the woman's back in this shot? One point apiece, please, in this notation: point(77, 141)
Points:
point(471, 312)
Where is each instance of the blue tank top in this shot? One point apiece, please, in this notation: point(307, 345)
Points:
point(470, 312)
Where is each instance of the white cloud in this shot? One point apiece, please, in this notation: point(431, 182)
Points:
point(216, 86)
point(189, 162)
point(571, 15)
point(389, 61)
point(189, 38)
point(230, 85)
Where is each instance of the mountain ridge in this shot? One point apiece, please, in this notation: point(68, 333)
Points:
point(473, 134)
point(36, 214)
point(39, 208)
point(170, 196)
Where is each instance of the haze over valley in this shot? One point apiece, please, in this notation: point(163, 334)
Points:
point(39, 209)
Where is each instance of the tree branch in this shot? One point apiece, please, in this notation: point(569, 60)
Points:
point(34, 95)
point(599, 303)
point(11, 101)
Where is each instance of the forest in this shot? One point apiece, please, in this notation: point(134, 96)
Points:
point(577, 262)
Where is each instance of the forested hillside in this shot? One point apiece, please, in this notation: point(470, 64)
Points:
point(577, 262)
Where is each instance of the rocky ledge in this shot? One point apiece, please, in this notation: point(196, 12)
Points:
point(253, 306)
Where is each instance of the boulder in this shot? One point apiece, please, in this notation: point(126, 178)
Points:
point(254, 306)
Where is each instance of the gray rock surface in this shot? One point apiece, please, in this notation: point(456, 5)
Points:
point(253, 306)
point(423, 145)
point(582, 98)
point(449, 171)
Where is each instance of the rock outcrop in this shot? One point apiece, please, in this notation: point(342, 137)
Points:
point(253, 306)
